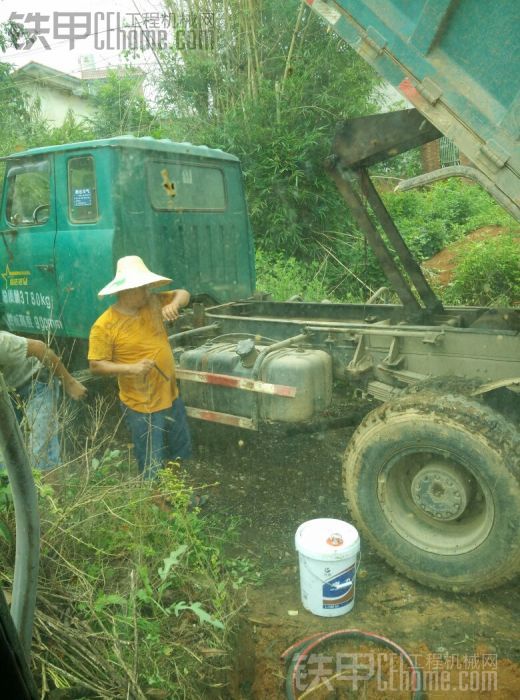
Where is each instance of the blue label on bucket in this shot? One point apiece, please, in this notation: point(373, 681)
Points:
point(339, 590)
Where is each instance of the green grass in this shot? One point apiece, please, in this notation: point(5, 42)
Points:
point(131, 600)
point(488, 273)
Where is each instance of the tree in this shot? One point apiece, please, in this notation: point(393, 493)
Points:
point(15, 115)
point(120, 106)
point(271, 91)
point(10, 34)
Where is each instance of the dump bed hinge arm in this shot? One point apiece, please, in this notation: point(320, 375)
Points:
point(375, 241)
point(413, 270)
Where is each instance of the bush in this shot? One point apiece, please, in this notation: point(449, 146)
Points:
point(488, 274)
point(130, 597)
point(285, 277)
point(432, 218)
point(341, 265)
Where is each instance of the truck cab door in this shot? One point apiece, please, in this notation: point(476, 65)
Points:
point(28, 233)
point(83, 251)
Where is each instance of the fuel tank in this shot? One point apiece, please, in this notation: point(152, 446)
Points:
point(307, 369)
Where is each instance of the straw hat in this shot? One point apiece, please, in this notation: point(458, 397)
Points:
point(131, 272)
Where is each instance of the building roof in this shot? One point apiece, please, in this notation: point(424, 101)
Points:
point(34, 71)
point(56, 78)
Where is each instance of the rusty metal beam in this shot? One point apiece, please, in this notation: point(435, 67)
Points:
point(375, 241)
point(412, 268)
point(222, 418)
point(364, 141)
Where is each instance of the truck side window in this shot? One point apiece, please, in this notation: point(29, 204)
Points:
point(28, 193)
point(185, 186)
point(83, 204)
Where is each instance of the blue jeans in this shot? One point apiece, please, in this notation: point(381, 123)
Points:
point(159, 436)
point(38, 418)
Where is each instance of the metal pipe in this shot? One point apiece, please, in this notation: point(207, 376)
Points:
point(392, 331)
point(194, 331)
point(275, 346)
point(375, 296)
point(462, 171)
point(27, 520)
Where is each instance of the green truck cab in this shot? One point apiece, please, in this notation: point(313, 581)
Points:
point(70, 211)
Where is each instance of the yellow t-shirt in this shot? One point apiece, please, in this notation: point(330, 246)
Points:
point(117, 337)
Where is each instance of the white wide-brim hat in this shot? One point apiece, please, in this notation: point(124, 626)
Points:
point(131, 272)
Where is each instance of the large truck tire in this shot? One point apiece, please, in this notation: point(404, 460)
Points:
point(432, 482)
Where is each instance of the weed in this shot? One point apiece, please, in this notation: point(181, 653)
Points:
point(286, 277)
point(488, 274)
point(130, 598)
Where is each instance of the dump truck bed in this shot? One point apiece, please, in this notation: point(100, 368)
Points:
point(456, 61)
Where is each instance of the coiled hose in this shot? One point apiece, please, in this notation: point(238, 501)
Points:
point(297, 654)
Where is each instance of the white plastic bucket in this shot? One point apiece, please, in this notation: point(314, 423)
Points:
point(328, 551)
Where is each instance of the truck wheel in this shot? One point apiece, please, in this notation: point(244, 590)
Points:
point(432, 481)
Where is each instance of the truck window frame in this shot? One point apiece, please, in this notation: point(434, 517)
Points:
point(12, 171)
point(161, 164)
point(95, 199)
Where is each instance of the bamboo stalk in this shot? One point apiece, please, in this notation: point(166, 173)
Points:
point(291, 45)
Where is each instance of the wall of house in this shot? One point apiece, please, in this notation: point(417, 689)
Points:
point(56, 103)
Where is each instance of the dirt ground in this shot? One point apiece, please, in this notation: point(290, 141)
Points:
point(273, 484)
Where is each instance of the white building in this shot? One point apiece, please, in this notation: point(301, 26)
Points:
point(57, 92)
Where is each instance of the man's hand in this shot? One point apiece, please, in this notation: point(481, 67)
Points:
point(71, 386)
point(180, 299)
point(141, 368)
point(74, 389)
point(170, 312)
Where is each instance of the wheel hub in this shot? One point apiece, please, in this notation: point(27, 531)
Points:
point(440, 491)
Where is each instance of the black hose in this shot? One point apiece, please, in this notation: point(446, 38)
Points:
point(299, 652)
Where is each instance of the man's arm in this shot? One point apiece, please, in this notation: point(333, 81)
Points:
point(38, 349)
point(109, 368)
point(180, 299)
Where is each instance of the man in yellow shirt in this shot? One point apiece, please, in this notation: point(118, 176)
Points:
point(129, 341)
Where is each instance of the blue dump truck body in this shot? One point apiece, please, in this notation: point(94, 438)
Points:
point(456, 61)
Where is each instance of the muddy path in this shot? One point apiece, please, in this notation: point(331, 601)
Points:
point(274, 483)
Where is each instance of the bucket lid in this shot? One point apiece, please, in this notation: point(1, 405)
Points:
point(326, 539)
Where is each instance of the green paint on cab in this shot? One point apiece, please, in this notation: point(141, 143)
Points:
point(69, 212)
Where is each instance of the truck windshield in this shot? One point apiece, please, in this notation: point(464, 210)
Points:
point(28, 193)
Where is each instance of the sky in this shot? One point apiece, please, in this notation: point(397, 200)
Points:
point(96, 17)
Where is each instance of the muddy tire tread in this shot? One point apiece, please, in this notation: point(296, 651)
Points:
point(498, 432)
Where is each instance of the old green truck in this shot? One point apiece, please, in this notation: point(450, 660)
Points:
point(69, 211)
point(431, 476)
